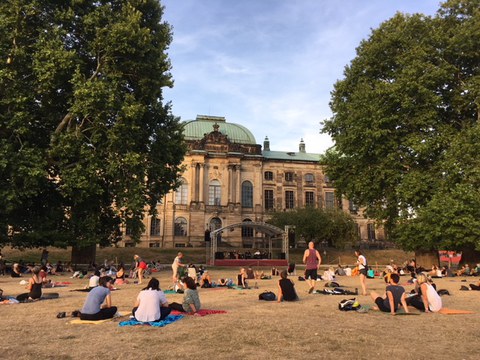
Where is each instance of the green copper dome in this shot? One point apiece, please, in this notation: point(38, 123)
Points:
point(203, 124)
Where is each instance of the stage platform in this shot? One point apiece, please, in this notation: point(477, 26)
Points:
point(250, 262)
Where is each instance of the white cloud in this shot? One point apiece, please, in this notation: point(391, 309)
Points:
point(269, 65)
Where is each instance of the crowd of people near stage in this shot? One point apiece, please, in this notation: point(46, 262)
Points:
point(151, 303)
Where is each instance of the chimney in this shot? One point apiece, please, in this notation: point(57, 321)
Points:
point(266, 144)
point(301, 147)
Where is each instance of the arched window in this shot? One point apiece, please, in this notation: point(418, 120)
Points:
point(180, 226)
point(247, 231)
point(247, 194)
point(215, 224)
point(309, 178)
point(214, 193)
point(181, 194)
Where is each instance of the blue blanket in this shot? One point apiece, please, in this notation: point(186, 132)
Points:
point(168, 320)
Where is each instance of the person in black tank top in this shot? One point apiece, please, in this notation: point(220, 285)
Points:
point(34, 287)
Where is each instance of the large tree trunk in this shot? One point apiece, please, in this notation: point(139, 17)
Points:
point(83, 255)
point(427, 258)
point(470, 256)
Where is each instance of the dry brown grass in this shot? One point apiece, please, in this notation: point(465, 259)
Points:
point(252, 329)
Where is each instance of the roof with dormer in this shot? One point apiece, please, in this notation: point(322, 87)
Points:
point(203, 124)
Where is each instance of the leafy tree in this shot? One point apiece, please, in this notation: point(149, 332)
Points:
point(333, 227)
point(406, 123)
point(86, 143)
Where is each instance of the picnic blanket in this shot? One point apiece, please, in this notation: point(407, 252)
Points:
point(167, 321)
point(447, 311)
point(201, 312)
point(96, 322)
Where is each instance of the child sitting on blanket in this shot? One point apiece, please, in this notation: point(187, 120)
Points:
point(191, 300)
point(395, 295)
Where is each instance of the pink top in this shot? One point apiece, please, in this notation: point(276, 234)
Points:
point(312, 261)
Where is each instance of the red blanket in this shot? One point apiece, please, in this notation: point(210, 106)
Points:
point(202, 312)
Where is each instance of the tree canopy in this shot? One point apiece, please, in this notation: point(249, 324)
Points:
point(406, 127)
point(86, 142)
point(333, 227)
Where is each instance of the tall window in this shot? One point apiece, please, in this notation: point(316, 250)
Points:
point(247, 231)
point(268, 198)
point(268, 175)
point(352, 207)
point(330, 200)
point(181, 193)
point(309, 178)
point(180, 226)
point(247, 194)
point(155, 226)
point(214, 193)
point(309, 198)
point(371, 232)
point(289, 176)
point(289, 200)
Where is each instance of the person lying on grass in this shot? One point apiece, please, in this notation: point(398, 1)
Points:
point(191, 300)
point(394, 296)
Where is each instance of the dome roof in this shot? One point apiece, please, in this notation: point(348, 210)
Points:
point(203, 124)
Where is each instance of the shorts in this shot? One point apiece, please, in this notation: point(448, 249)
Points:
point(311, 273)
point(363, 271)
point(380, 302)
point(142, 265)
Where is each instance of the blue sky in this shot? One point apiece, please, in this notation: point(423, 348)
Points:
point(269, 65)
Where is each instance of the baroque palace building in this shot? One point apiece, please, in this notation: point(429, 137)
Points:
point(229, 179)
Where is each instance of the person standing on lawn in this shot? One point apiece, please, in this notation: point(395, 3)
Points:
point(312, 260)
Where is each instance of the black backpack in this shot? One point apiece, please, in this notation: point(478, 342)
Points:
point(267, 296)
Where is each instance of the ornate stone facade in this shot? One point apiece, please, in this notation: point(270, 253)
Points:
point(228, 179)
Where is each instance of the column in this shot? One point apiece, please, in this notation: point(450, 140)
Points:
point(230, 195)
point(193, 182)
point(202, 183)
point(239, 185)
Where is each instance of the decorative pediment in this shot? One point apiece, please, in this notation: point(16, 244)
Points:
point(217, 142)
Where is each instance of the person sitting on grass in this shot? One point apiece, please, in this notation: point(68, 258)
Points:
point(120, 275)
point(242, 279)
point(206, 280)
point(98, 305)
point(151, 303)
point(191, 300)
point(427, 298)
point(34, 287)
point(286, 288)
point(16, 273)
point(94, 280)
point(250, 273)
point(395, 295)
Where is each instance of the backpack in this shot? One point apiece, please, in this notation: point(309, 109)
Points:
point(267, 296)
point(348, 304)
